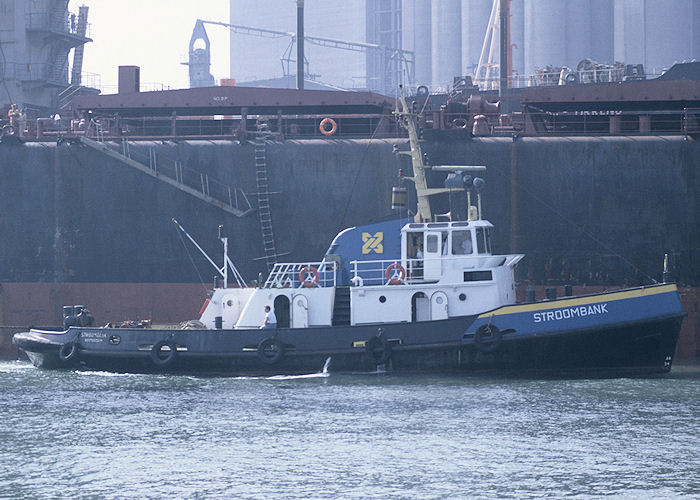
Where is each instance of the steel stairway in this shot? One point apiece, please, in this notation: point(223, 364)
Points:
point(341, 307)
point(173, 173)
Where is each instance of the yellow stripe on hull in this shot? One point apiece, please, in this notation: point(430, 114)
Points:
point(579, 301)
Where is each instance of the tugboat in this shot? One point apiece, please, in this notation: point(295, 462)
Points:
point(404, 295)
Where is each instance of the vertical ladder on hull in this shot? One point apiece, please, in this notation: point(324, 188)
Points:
point(341, 307)
point(263, 193)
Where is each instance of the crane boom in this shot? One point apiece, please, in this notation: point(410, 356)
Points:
point(249, 30)
point(388, 56)
point(316, 40)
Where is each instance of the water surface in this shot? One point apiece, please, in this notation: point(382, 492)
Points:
point(96, 434)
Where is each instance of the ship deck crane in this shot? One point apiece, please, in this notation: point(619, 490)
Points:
point(497, 35)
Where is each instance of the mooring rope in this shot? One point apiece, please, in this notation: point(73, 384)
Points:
point(192, 261)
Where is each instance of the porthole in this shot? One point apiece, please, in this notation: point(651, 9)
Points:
point(462, 297)
point(382, 299)
point(438, 300)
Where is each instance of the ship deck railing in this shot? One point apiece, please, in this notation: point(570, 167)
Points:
point(531, 122)
point(386, 272)
point(412, 271)
point(227, 127)
point(302, 274)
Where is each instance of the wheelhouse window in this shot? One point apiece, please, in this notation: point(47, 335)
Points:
point(414, 245)
point(461, 243)
point(483, 240)
point(431, 243)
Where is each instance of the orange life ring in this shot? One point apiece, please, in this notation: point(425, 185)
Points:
point(323, 126)
point(308, 283)
point(392, 271)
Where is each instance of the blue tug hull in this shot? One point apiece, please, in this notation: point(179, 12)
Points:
point(632, 331)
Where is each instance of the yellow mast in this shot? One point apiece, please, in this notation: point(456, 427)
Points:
point(424, 214)
point(407, 121)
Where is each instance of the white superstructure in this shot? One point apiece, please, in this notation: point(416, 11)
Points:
point(446, 269)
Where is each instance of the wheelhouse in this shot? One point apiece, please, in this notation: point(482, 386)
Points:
point(446, 239)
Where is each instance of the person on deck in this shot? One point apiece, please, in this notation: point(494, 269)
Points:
point(416, 262)
point(270, 318)
point(13, 116)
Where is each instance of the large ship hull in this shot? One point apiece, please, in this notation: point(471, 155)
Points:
point(632, 331)
point(83, 243)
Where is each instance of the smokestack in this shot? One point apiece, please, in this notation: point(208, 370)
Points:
point(300, 44)
point(504, 11)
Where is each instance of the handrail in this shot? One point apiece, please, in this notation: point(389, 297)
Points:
point(191, 181)
point(374, 272)
point(57, 22)
point(302, 274)
point(575, 123)
point(188, 176)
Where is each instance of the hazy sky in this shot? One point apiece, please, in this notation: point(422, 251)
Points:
point(152, 34)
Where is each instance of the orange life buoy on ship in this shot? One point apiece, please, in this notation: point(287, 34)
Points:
point(325, 124)
point(395, 274)
point(303, 276)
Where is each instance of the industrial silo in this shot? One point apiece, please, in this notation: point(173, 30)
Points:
point(348, 21)
point(656, 34)
point(559, 33)
point(545, 34)
point(446, 34)
point(416, 37)
point(577, 19)
point(475, 20)
point(517, 39)
point(601, 33)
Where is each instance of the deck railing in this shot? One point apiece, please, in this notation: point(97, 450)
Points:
point(574, 123)
point(398, 271)
point(62, 22)
point(302, 274)
point(386, 272)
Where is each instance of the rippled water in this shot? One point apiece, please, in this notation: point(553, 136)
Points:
point(95, 434)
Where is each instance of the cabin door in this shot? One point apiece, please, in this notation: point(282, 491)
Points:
point(282, 311)
point(420, 307)
point(438, 306)
point(300, 311)
point(432, 256)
